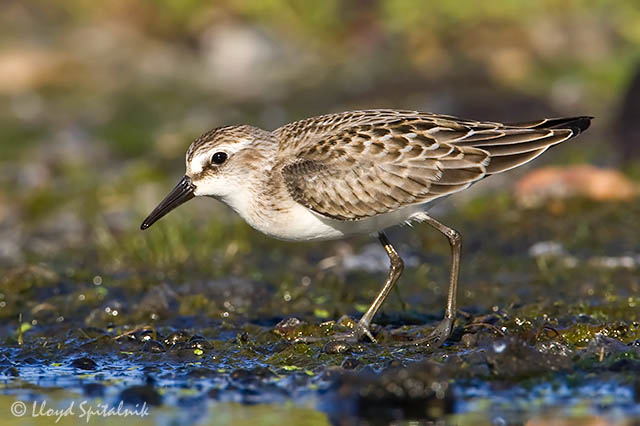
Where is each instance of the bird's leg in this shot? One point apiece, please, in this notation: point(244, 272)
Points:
point(395, 270)
point(444, 329)
point(361, 329)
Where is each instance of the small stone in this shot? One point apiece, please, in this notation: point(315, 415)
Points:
point(176, 337)
point(84, 363)
point(153, 346)
point(469, 340)
point(289, 323)
point(144, 335)
point(199, 342)
point(336, 347)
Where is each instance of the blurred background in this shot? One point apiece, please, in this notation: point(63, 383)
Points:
point(100, 100)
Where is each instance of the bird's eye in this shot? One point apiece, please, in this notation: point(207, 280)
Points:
point(219, 158)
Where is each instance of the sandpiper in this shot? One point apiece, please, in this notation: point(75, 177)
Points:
point(358, 172)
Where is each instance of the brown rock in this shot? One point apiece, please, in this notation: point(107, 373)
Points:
point(580, 180)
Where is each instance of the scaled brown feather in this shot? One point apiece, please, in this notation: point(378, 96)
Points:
point(363, 163)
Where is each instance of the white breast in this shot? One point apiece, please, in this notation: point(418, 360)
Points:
point(294, 222)
point(301, 224)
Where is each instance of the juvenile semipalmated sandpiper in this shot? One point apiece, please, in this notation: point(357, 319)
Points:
point(358, 172)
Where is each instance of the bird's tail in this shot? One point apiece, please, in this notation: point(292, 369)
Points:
point(522, 142)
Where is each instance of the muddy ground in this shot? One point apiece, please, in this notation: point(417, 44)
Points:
point(194, 319)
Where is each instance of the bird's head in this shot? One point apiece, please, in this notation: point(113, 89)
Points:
point(221, 164)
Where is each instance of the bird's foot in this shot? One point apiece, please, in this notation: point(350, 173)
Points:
point(438, 336)
point(355, 335)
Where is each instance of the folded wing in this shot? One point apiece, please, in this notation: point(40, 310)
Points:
point(360, 164)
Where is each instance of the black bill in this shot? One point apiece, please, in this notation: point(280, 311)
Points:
point(182, 193)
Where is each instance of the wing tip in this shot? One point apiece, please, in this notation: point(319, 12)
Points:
point(576, 124)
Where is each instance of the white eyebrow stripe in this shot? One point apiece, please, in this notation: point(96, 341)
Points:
point(199, 161)
point(237, 145)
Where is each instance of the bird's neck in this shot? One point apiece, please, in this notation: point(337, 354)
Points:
point(262, 199)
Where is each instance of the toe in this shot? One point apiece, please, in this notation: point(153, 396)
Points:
point(438, 336)
point(362, 330)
